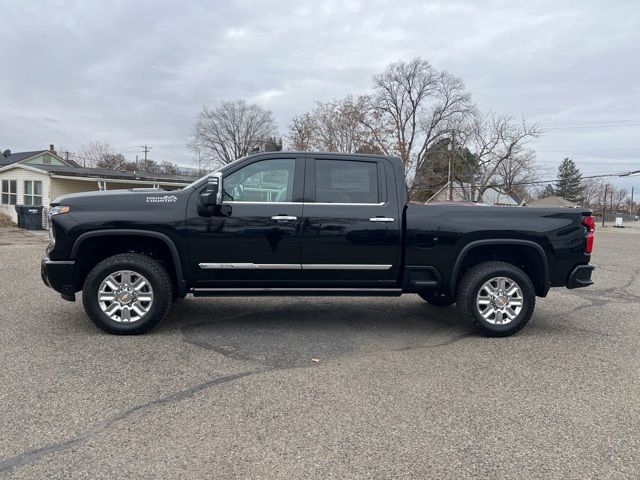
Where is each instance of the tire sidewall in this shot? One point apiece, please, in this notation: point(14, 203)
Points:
point(151, 270)
point(528, 294)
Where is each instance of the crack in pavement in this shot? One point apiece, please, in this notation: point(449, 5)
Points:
point(30, 456)
point(450, 341)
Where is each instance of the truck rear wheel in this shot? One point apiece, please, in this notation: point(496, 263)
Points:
point(128, 293)
point(497, 298)
point(437, 298)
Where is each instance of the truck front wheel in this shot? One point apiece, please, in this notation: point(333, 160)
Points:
point(128, 293)
point(497, 298)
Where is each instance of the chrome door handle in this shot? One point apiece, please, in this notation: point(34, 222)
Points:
point(382, 219)
point(283, 218)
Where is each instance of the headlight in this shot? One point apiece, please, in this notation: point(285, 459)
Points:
point(58, 210)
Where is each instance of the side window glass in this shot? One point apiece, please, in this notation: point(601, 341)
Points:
point(343, 181)
point(263, 181)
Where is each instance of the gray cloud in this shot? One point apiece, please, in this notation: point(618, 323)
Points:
point(139, 72)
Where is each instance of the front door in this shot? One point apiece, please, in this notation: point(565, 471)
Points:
point(352, 227)
point(254, 237)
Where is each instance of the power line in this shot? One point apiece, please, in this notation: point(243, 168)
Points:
point(592, 123)
point(604, 175)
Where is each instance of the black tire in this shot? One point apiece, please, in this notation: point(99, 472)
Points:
point(156, 276)
point(471, 284)
point(437, 298)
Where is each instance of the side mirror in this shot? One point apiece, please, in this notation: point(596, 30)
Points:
point(212, 195)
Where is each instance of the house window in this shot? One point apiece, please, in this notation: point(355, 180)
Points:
point(9, 192)
point(33, 193)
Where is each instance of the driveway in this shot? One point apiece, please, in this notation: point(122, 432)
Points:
point(228, 388)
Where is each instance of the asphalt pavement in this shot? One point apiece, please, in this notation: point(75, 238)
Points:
point(228, 387)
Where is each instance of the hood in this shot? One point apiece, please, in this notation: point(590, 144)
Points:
point(124, 199)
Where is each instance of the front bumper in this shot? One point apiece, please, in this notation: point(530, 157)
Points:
point(59, 275)
point(580, 276)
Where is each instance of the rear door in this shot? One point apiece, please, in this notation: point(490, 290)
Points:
point(351, 226)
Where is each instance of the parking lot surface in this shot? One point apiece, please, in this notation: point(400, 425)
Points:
point(227, 388)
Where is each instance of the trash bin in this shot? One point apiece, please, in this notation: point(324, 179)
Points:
point(29, 217)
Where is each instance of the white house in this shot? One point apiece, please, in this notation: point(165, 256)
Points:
point(553, 201)
point(38, 177)
point(491, 196)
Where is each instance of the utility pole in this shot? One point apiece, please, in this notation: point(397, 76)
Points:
point(452, 164)
point(145, 149)
point(604, 203)
point(633, 210)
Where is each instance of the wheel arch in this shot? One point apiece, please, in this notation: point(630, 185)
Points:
point(177, 273)
point(498, 249)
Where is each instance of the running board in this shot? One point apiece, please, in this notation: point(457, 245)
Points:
point(300, 292)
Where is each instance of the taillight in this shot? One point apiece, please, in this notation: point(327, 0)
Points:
point(590, 224)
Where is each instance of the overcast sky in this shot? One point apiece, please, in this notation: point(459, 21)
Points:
point(134, 73)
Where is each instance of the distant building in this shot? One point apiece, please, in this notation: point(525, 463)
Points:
point(553, 201)
point(38, 177)
point(491, 196)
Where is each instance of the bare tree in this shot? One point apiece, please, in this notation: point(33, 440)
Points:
point(495, 140)
point(412, 106)
point(592, 193)
point(301, 131)
point(169, 168)
point(114, 161)
point(514, 173)
point(335, 126)
point(231, 130)
point(94, 152)
point(617, 199)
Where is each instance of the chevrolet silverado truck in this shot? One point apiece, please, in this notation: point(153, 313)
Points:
point(323, 224)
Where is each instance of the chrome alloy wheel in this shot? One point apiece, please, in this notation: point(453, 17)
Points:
point(500, 300)
point(125, 296)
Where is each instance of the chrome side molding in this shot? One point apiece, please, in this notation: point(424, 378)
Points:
point(291, 266)
point(250, 266)
point(343, 266)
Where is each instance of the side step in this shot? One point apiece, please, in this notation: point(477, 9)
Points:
point(297, 292)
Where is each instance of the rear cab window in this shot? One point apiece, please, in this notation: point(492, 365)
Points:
point(345, 181)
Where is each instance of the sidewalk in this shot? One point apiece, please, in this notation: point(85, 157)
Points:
point(18, 236)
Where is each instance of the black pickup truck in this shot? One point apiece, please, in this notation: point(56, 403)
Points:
point(308, 224)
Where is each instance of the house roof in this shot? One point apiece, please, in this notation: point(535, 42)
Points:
point(553, 201)
point(20, 156)
point(104, 173)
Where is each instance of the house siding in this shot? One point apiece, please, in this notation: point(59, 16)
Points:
point(20, 175)
point(63, 186)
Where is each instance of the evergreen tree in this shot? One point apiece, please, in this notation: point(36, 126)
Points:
point(569, 184)
point(548, 191)
point(272, 144)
